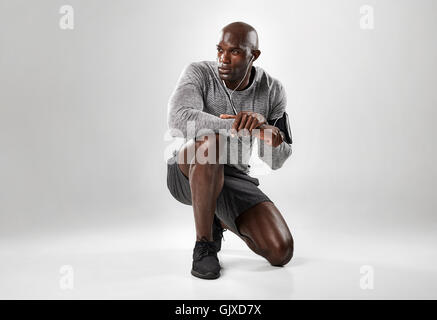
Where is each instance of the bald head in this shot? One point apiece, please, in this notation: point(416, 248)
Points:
point(237, 50)
point(244, 33)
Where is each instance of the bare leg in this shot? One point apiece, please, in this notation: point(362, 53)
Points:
point(206, 181)
point(262, 227)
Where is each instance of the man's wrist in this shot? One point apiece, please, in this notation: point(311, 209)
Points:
point(274, 138)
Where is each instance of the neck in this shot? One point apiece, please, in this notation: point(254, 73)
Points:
point(233, 84)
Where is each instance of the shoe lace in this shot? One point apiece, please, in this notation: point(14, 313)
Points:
point(220, 230)
point(222, 235)
point(205, 248)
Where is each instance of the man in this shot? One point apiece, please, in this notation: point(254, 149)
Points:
point(234, 100)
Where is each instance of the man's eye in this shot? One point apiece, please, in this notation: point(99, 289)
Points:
point(235, 52)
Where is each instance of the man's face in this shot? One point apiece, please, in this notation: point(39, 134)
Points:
point(232, 57)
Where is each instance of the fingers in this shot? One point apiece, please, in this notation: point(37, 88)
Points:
point(249, 124)
point(254, 124)
point(236, 123)
point(227, 116)
point(244, 118)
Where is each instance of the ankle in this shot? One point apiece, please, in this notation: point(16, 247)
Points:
point(204, 238)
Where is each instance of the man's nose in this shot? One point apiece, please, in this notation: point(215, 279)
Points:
point(225, 58)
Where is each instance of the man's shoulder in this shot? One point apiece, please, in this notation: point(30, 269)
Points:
point(200, 68)
point(265, 79)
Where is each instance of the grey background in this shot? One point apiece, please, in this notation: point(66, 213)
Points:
point(83, 113)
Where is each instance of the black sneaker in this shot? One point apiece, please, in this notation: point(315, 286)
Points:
point(217, 233)
point(205, 262)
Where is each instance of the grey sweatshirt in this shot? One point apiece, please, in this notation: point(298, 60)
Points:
point(200, 97)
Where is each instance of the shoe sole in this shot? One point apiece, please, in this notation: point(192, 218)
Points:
point(208, 275)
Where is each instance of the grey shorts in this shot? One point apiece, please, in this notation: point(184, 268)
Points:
point(240, 192)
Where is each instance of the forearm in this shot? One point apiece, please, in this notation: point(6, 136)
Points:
point(186, 117)
point(272, 149)
point(193, 122)
point(274, 157)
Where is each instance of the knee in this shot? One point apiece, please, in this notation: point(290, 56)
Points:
point(208, 149)
point(281, 252)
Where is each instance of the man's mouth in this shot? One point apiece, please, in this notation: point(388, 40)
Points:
point(224, 70)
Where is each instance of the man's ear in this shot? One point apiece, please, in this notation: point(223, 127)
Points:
point(256, 54)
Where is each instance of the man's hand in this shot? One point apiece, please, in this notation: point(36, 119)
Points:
point(252, 120)
point(270, 134)
point(245, 120)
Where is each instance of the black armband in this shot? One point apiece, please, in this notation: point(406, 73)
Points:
point(283, 124)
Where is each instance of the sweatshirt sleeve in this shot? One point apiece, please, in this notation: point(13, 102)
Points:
point(275, 157)
point(186, 117)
